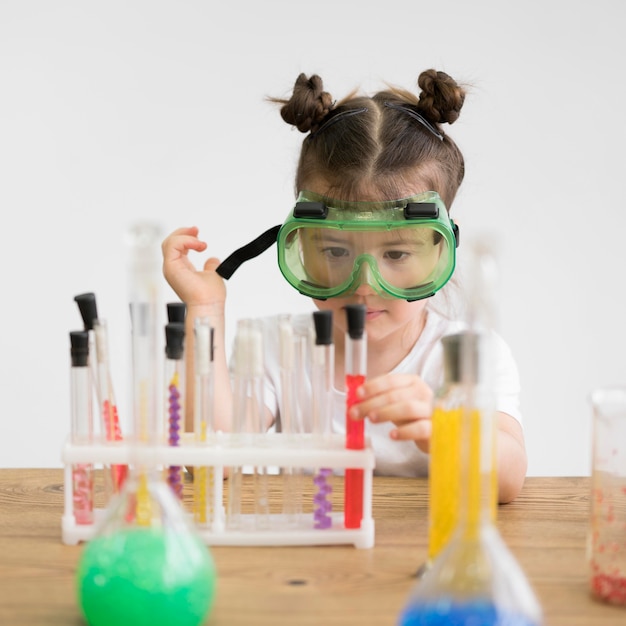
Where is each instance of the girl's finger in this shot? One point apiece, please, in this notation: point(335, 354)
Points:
point(419, 431)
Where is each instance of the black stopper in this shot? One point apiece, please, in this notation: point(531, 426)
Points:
point(176, 312)
point(79, 348)
point(460, 351)
point(88, 309)
point(323, 321)
point(356, 320)
point(174, 340)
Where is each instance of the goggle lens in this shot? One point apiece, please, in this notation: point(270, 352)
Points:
point(406, 248)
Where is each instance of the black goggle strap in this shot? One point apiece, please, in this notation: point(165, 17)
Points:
point(259, 245)
point(309, 209)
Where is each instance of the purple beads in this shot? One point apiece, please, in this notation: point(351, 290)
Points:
point(174, 472)
point(321, 503)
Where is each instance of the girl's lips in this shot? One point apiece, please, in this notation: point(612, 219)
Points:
point(372, 314)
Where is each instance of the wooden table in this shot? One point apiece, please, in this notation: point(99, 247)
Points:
point(337, 585)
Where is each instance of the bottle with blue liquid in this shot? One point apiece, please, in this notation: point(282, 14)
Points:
point(474, 580)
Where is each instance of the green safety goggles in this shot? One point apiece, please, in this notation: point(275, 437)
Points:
point(328, 248)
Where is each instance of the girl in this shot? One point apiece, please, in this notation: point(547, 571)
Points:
point(385, 169)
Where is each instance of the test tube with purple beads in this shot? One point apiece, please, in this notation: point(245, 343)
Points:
point(175, 384)
point(323, 368)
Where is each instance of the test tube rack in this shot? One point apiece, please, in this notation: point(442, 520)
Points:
point(226, 450)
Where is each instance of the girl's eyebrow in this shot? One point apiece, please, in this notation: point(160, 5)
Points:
point(332, 238)
point(393, 237)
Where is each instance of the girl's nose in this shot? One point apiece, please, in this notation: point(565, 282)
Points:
point(365, 281)
point(364, 289)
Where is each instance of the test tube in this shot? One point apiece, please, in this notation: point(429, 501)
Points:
point(82, 425)
point(174, 384)
point(144, 280)
point(355, 365)
point(106, 400)
point(257, 420)
point(205, 492)
point(288, 416)
point(248, 417)
point(322, 375)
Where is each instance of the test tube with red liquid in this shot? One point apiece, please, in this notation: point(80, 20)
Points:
point(101, 378)
point(355, 368)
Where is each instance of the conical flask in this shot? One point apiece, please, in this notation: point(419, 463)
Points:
point(145, 565)
point(474, 580)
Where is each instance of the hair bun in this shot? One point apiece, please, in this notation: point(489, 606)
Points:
point(308, 105)
point(441, 98)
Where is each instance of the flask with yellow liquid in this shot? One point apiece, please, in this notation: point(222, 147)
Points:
point(445, 445)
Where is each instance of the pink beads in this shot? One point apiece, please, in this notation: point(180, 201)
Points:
point(112, 422)
point(114, 433)
point(82, 489)
point(609, 588)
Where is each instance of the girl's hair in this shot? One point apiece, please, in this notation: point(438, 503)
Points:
point(385, 142)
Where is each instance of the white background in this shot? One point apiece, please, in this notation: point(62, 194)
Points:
point(112, 112)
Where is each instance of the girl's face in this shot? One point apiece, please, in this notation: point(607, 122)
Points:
point(389, 321)
point(386, 319)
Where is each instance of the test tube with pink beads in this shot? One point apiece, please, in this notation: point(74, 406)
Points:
point(82, 425)
point(107, 402)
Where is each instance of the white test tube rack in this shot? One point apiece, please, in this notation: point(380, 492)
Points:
point(228, 450)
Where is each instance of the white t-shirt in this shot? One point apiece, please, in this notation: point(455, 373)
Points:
point(393, 458)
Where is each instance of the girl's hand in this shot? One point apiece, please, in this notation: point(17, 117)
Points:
point(403, 399)
point(193, 287)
